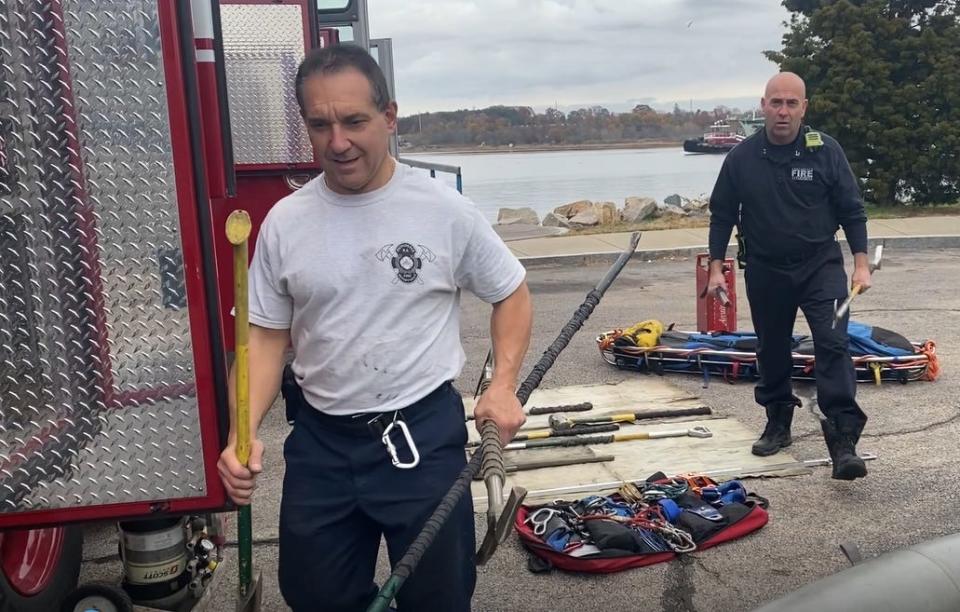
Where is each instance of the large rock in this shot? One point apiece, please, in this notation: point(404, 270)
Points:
point(585, 213)
point(553, 220)
point(609, 215)
point(673, 200)
point(696, 203)
point(670, 209)
point(527, 216)
point(587, 218)
point(637, 209)
point(699, 207)
point(573, 209)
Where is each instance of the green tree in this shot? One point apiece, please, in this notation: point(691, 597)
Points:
point(883, 77)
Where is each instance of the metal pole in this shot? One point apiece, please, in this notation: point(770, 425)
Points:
point(238, 231)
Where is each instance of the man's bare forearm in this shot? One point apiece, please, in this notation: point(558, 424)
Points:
point(267, 355)
point(510, 325)
point(716, 266)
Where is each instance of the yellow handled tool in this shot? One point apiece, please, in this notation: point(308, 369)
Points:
point(845, 306)
point(841, 310)
point(238, 231)
point(693, 432)
point(559, 422)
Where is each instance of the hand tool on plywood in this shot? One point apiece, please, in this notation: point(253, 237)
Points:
point(579, 430)
point(559, 422)
point(581, 407)
point(523, 466)
point(693, 432)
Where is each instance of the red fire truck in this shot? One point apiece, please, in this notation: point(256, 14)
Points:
point(129, 130)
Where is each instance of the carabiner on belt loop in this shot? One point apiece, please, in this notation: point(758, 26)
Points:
point(393, 449)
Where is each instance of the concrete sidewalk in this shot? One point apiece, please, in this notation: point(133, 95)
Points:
point(912, 232)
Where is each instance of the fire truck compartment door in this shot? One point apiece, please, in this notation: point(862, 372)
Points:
point(109, 357)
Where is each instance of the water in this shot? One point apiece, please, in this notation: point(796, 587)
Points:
point(546, 180)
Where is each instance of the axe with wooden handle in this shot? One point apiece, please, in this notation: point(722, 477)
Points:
point(841, 310)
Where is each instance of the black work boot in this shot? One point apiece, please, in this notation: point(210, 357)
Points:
point(776, 434)
point(843, 452)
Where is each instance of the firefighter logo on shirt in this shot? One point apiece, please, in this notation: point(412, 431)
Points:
point(406, 260)
point(801, 174)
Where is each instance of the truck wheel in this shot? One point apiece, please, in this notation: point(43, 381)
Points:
point(54, 567)
point(97, 597)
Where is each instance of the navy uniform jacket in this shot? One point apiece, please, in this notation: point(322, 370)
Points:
point(790, 200)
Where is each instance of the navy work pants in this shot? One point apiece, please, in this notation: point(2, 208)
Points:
point(341, 493)
point(812, 283)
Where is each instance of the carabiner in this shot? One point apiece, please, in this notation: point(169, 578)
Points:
point(385, 438)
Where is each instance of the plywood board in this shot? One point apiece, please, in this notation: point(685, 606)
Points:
point(727, 449)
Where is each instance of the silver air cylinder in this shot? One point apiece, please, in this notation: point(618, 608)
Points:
point(154, 555)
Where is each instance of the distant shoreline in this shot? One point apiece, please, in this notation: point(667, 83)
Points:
point(643, 144)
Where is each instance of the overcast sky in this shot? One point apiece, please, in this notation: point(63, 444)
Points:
point(452, 54)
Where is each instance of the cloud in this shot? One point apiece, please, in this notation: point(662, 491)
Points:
point(452, 54)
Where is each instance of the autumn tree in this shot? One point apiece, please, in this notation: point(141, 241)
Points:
point(521, 125)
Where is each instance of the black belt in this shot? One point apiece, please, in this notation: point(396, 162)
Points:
point(793, 258)
point(372, 423)
point(378, 423)
point(363, 424)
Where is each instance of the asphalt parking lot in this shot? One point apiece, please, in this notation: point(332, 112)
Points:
point(909, 496)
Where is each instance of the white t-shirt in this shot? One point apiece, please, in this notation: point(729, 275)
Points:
point(369, 287)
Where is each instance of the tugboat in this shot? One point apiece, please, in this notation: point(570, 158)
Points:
point(723, 135)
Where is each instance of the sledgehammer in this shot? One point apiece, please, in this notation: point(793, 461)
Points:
point(839, 312)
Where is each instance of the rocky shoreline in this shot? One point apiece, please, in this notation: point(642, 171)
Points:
point(464, 150)
point(589, 214)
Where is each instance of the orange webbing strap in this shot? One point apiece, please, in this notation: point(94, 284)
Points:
point(608, 338)
point(696, 482)
point(929, 349)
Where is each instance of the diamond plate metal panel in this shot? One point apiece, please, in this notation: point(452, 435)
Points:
point(97, 401)
point(263, 45)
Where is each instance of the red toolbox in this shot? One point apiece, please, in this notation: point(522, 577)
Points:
point(712, 313)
